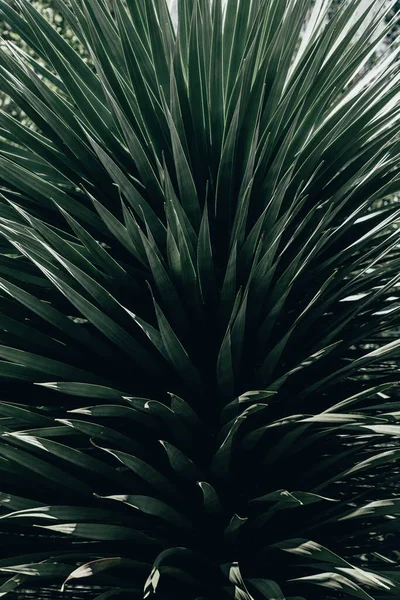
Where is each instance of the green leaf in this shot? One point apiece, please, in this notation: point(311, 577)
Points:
point(212, 503)
point(41, 190)
point(43, 364)
point(36, 439)
point(100, 432)
point(51, 315)
point(177, 354)
point(98, 566)
point(147, 473)
point(84, 390)
point(44, 469)
point(156, 508)
point(16, 503)
point(374, 509)
point(181, 463)
point(102, 532)
point(128, 189)
point(338, 582)
point(187, 189)
point(153, 579)
point(268, 588)
point(205, 264)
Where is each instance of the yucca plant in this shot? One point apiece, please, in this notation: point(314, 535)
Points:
point(198, 269)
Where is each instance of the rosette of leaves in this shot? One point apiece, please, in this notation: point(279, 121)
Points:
point(198, 298)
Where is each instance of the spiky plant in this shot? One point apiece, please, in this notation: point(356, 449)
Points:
point(198, 303)
point(47, 9)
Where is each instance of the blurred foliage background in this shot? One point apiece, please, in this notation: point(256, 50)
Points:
point(48, 9)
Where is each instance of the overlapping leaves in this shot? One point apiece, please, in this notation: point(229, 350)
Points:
point(200, 254)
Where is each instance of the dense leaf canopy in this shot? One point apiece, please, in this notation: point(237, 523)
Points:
point(199, 279)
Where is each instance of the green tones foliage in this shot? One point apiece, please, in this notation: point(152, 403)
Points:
point(47, 9)
point(198, 294)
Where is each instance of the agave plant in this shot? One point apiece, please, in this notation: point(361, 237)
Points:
point(198, 268)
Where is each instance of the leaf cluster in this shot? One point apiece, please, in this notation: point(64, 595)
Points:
point(199, 296)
